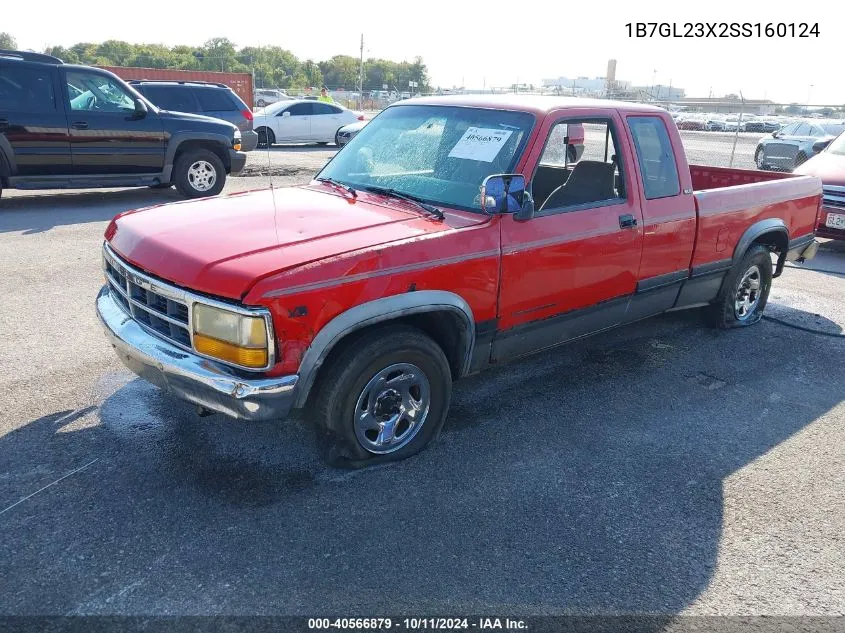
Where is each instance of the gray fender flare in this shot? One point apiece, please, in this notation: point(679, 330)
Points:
point(378, 311)
point(770, 225)
point(177, 139)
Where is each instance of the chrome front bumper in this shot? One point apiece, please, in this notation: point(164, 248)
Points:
point(189, 376)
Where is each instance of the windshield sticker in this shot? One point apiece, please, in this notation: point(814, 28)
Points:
point(479, 143)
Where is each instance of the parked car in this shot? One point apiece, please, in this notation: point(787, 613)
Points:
point(691, 123)
point(266, 96)
point(348, 132)
point(69, 126)
point(363, 295)
point(829, 165)
point(302, 121)
point(714, 124)
point(216, 100)
point(794, 144)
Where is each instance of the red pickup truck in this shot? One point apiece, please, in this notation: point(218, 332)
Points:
point(449, 235)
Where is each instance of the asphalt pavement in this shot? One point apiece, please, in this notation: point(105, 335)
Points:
point(665, 467)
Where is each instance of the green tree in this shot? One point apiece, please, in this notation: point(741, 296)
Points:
point(7, 41)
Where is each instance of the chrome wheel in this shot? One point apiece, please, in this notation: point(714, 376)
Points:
point(201, 175)
point(392, 408)
point(760, 161)
point(748, 293)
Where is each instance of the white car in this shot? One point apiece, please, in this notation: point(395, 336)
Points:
point(302, 121)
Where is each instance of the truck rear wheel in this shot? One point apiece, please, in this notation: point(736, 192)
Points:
point(384, 397)
point(199, 173)
point(745, 290)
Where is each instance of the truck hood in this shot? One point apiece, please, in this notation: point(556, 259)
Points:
point(222, 246)
point(827, 166)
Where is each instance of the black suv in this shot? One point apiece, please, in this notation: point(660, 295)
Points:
point(67, 126)
point(201, 97)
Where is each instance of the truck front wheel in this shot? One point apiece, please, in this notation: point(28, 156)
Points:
point(745, 290)
point(199, 173)
point(384, 397)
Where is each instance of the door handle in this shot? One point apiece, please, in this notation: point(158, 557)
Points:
point(79, 125)
point(627, 221)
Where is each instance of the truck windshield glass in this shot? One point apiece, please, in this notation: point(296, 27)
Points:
point(439, 154)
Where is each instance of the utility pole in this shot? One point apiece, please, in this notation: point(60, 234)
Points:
point(361, 76)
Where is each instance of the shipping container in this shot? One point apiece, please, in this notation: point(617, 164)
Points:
point(241, 83)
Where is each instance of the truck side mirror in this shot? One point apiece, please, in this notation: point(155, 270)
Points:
point(503, 193)
point(819, 146)
point(140, 109)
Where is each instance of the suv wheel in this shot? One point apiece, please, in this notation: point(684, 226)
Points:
point(261, 103)
point(266, 138)
point(199, 173)
point(383, 398)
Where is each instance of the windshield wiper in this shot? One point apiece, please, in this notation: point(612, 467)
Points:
point(387, 191)
point(339, 185)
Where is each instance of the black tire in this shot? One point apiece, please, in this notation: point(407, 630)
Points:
point(800, 159)
point(265, 136)
point(757, 156)
point(182, 177)
point(350, 372)
point(724, 313)
point(261, 103)
point(337, 138)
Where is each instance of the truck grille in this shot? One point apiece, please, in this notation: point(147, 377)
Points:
point(158, 307)
point(834, 196)
point(781, 155)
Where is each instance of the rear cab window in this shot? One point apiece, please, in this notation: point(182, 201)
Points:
point(655, 156)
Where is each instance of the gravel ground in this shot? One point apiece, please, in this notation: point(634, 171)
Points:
point(661, 468)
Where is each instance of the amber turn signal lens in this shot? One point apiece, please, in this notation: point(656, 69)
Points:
point(243, 356)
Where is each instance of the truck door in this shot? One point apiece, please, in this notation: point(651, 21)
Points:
point(106, 135)
point(573, 267)
point(293, 123)
point(33, 126)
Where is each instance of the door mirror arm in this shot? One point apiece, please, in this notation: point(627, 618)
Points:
point(140, 109)
point(527, 210)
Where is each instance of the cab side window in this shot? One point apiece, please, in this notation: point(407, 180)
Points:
point(655, 156)
point(579, 167)
point(93, 92)
point(299, 109)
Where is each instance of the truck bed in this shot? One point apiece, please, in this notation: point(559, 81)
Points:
point(705, 177)
point(728, 201)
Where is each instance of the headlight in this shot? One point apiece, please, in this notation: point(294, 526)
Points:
point(229, 336)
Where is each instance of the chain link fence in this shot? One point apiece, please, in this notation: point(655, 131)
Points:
point(722, 132)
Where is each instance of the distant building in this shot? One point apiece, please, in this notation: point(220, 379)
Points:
point(725, 105)
point(584, 86)
point(659, 93)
